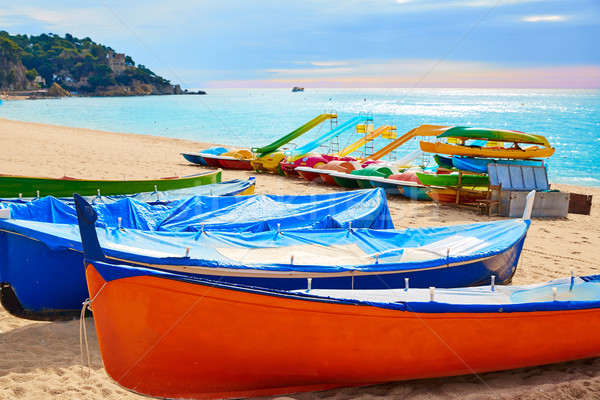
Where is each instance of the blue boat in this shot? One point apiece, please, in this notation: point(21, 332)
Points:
point(41, 270)
point(479, 165)
point(41, 265)
point(443, 161)
point(196, 158)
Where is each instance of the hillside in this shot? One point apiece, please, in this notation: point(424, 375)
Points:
point(79, 66)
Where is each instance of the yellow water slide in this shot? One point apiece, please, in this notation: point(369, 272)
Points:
point(386, 130)
point(423, 130)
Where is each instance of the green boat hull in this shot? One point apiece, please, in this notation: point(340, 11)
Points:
point(371, 170)
point(346, 182)
point(15, 186)
point(451, 180)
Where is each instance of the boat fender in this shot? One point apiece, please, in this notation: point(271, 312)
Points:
point(528, 206)
point(5, 213)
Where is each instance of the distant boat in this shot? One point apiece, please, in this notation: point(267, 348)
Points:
point(298, 89)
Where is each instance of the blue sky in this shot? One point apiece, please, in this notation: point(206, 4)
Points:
point(352, 43)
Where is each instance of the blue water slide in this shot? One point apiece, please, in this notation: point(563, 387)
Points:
point(328, 136)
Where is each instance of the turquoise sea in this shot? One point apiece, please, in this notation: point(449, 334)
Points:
point(570, 119)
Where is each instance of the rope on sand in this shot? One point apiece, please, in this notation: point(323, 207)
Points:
point(562, 257)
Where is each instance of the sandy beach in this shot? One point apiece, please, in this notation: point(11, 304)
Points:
point(42, 359)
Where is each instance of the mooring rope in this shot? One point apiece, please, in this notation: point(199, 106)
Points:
point(82, 336)
point(83, 331)
point(563, 257)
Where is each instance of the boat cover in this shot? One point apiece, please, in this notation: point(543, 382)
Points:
point(361, 209)
point(228, 188)
point(302, 251)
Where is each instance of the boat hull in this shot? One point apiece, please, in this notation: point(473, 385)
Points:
point(412, 192)
point(196, 158)
point(13, 186)
point(345, 182)
point(154, 339)
point(448, 195)
point(457, 150)
point(310, 176)
point(452, 180)
point(236, 164)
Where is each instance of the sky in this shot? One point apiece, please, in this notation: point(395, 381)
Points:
point(337, 44)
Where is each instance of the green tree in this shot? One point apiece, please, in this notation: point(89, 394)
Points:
point(9, 49)
point(31, 74)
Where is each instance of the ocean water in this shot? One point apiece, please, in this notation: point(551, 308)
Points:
point(570, 119)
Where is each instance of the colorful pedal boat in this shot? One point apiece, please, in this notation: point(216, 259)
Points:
point(403, 185)
point(241, 341)
point(324, 171)
point(359, 178)
point(234, 159)
point(12, 186)
point(269, 162)
point(196, 158)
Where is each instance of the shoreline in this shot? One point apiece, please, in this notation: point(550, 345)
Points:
point(42, 359)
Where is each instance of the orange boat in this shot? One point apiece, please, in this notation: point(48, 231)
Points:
point(449, 194)
point(490, 152)
point(166, 335)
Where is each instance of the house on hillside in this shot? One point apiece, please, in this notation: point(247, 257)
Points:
point(116, 62)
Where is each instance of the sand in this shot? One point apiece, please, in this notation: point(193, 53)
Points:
point(41, 360)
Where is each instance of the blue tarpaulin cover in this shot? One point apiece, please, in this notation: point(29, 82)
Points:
point(361, 209)
point(314, 250)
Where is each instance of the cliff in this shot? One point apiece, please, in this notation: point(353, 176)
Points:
point(79, 66)
point(13, 74)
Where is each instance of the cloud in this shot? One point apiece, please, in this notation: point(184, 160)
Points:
point(544, 18)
